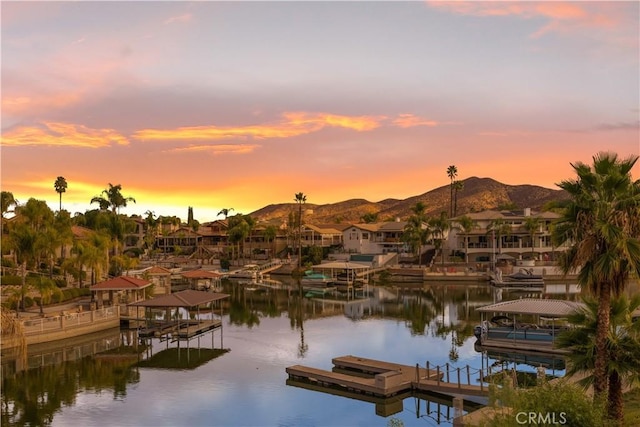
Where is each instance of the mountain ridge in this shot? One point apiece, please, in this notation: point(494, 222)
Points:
point(477, 194)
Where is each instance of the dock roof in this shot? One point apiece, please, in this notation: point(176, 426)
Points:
point(200, 274)
point(542, 307)
point(121, 283)
point(188, 298)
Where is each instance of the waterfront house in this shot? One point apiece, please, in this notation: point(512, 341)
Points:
point(375, 238)
point(515, 241)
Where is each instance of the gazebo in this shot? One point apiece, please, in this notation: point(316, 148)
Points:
point(120, 289)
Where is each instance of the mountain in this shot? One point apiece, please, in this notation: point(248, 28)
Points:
point(477, 194)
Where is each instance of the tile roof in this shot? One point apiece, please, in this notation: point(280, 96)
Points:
point(157, 270)
point(121, 283)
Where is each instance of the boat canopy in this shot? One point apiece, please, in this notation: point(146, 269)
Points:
point(543, 307)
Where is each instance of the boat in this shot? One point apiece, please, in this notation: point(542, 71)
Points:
point(314, 279)
point(523, 278)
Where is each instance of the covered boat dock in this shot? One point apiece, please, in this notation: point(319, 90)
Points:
point(181, 329)
point(521, 335)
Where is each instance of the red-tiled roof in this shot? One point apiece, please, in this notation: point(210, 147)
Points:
point(157, 270)
point(188, 298)
point(121, 283)
point(200, 274)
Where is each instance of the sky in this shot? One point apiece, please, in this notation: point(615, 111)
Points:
point(243, 104)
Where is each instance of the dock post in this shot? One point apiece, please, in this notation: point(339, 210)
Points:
point(447, 365)
point(469, 376)
point(458, 377)
point(428, 371)
point(438, 373)
point(418, 373)
point(457, 409)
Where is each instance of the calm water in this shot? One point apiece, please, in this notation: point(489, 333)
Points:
point(264, 331)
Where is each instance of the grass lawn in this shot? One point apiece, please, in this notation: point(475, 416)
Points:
point(632, 408)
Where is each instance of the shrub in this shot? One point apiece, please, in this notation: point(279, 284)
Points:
point(28, 302)
point(56, 298)
point(10, 280)
point(555, 403)
point(7, 262)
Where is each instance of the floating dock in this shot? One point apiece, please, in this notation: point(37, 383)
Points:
point(384, 379)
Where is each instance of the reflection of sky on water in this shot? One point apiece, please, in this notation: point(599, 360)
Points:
point(247, 386)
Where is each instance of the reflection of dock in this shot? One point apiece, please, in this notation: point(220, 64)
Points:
point(384, 379)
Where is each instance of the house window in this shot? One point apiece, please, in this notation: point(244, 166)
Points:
point(365, 236)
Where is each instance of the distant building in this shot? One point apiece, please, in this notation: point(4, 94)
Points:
point(376, 238)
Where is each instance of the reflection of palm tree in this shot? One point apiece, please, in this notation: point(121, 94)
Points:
point(302, 347)
point(622, 342)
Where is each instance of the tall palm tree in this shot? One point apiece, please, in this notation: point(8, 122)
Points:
point(452, 173)
point(457, 186)
point(602, 225)
point(532, 225)
point(622, 340)
point(300, 199)
point(61, 186)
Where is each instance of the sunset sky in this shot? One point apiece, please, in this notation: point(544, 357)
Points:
point(242, 104)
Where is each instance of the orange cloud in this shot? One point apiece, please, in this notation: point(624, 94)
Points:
point(218, 149)
point(562, 15)
point(62, 134)
point(409, 120)
point(293, 124)
point(179, 18)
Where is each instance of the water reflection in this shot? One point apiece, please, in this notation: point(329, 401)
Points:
point(265, 329)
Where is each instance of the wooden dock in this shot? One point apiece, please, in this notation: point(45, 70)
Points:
point(189, 331)
point(385, 379)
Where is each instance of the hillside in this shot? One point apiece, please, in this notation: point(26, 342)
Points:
point(478, 194)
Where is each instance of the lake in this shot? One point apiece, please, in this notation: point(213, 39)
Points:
point(264, 331)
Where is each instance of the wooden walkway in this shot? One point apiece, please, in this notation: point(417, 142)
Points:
point(384, 379)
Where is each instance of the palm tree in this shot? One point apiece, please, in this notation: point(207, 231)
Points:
point(457, 186)
point(602, 225)
point(300, 199)
point(452, 173)
point(415, 232)
point(532, 225)
point(466, 225)
point(499, 228)
point(622, 340)
point(61, 186)
point(112, 198)
point(270, 233)
point(225, 212)
point(439, 226)
point(46, 288)
point(23, 240)
point(6, 201)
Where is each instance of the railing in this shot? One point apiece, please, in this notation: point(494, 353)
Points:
point(68, 320)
